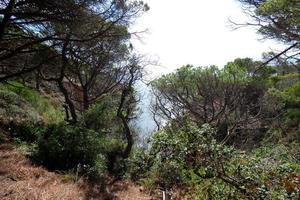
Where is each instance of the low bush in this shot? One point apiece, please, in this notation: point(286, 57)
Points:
point(24, 147)
point(63, 147)
point(191, 158)
point(139, 164)
point(25, 131)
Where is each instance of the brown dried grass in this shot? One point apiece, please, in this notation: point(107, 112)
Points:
point(19, 179)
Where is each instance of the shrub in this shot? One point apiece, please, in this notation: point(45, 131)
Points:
point(25, 131)
point(139, 164)
point(102, 116)
point(95, 172)
point(290, 96)
point(24, 147)
point(62, 147)
point(191, 158)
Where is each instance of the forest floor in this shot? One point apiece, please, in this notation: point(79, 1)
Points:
point(22, 180)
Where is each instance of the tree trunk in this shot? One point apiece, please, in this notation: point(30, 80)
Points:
point(7, 16)
point(68, 101)
point(61, 86)
point(126, 127)
point(37, 81)
point(85, 99)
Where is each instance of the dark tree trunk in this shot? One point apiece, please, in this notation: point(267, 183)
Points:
point(68, 101)
point(37, 81)
point(7, 16)
point(85, 98)
point(67, 112)
point(61, 86)
point(126, 127)
point(129, 138)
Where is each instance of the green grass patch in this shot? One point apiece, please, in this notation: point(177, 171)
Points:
point(49, 112)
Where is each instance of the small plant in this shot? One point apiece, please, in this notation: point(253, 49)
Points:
point(25, 148)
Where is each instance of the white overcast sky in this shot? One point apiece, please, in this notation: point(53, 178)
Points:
point(196, 32)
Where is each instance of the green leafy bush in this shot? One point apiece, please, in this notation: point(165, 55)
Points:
point(139, 164)
point(96, 171)
point(290, 97)
point(185, 149)
point(62, 147)
point(26, 131)
point(102, 115)
point(191, 158)
point(24, 147)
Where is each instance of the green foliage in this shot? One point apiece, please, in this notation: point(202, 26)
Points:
point(139, 164)
point(15, 108)
point(26, 131)
point(272, 170)
point(191, 158)
point(102, 116)
point(24, 147)
point(96, 171)
point(226, 98)
point(48, 110)
point(281, 18)
point(63, 147)
point(189, 153)
point(186, 149)
point(290, 96)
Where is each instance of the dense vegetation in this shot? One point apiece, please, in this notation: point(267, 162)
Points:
point(229, 133)
point(68, 99)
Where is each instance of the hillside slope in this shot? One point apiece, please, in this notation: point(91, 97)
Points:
point(20, 179)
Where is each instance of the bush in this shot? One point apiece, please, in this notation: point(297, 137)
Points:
point(102, 116)
point(23, 147)
point(63, 147)
point(191, 158)
point(26, 131)
point(139, 164)
point(98, 170)
point(290, 97)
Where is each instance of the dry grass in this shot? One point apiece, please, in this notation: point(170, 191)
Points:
point(21, 180)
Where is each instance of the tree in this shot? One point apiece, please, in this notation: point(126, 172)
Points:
point(89, 38)
point(99, 66)
point(80, 47)
point(230, 99)
point(49, 22)
point(275, 19)
point(114, 112)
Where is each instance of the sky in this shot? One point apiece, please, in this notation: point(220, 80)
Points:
point(195, 32)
